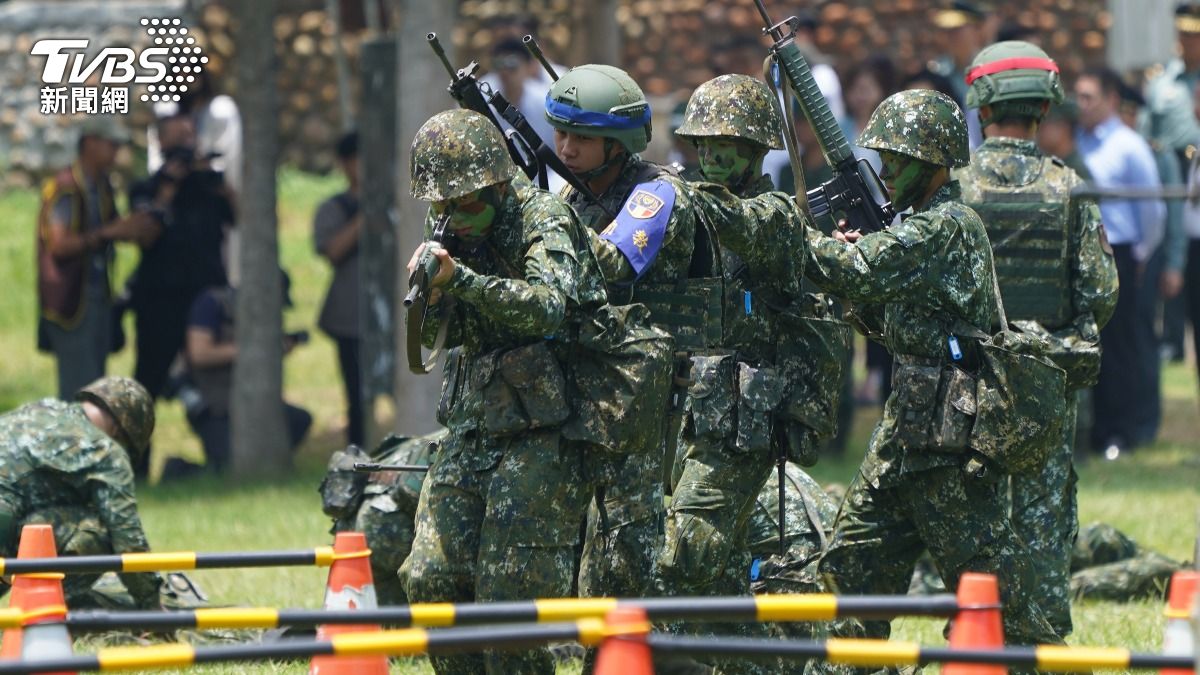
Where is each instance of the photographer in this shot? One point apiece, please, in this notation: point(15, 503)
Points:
point(192, 207)
point(210, 351)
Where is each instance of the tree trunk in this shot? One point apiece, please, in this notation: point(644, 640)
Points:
point(259, 435)
point(600, 42)
point(421, 90)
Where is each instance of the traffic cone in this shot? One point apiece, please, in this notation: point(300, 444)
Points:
point(45, 635)
point(350, 587)
point(1177, 636)
point(37, 541)
point(978, 624)
point(626, 653)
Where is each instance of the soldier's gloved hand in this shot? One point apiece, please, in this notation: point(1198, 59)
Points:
point(802, 444)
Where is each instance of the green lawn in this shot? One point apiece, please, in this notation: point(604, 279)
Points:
point(1153, 496)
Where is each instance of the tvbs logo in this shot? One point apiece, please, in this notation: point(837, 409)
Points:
point(167, 68)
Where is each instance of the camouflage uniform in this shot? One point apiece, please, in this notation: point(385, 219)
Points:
point(743, 410)
point(618, 553)
point(381, 505)
point(1107, 565)
point(913, 281)
point(1056, 279)
point(60, 469)
point(500, 510)
point(625, 524)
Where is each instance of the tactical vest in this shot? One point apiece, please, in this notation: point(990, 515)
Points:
point(1029, 231)
point(692, 308)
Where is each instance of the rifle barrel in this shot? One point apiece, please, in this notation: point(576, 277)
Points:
point(436, 45)
point(372, 466)
point(532, 46)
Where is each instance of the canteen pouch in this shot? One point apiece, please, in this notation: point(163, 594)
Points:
point(711, 396)
point(760, 391)
point(916, 391)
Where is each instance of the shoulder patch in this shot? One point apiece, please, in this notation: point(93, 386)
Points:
point(641, 225)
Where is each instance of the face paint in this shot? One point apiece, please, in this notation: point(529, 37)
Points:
point(724, 160)
point(473, 213)
point(906, 178)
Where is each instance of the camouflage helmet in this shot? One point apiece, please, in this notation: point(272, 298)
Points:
point(737, 106)
point(599, 100)
point(457, 152)
point(920, 123)
point(130, 406)
point(1013, 77)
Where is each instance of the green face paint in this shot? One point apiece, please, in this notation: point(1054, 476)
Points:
point(906, 178)
point(725, 161)
point(473, 213)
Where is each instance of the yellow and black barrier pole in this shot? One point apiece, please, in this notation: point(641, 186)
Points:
point(591, 632)
point(322, 556)
point(882, 653)
point(404, 642)
point(815, 607)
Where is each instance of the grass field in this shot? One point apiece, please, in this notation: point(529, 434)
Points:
point(1153, 495)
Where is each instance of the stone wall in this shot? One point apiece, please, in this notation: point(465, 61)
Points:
point(670, 46)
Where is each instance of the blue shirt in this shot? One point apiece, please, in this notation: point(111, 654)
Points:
point(1118, 157)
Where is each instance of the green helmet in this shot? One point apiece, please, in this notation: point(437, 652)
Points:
point(1014, 78)
point(598, 100)
point(737, 106)
point(130, 406)
point(919, 123)
point(457, 152)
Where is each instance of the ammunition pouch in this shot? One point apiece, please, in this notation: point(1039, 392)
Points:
point(935, 405)
point(760, 391)
point(734, 401)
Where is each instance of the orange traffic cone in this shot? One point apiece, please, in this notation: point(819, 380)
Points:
point(37, 541)
point(45, 636)
point(1177, 636)
point(627, 653)
point(978, 624)
point(350, 587)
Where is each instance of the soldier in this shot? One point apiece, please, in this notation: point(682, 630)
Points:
point(500, 510)
point(772, 373)
point(601, 121)
point(381, 505)
point(70, 465)
point(1057, 279)
point(916, 284)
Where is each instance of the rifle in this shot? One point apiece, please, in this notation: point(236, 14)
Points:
point(373, 466)
point(416, 303)
point(855, 189)
point(526, 148)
